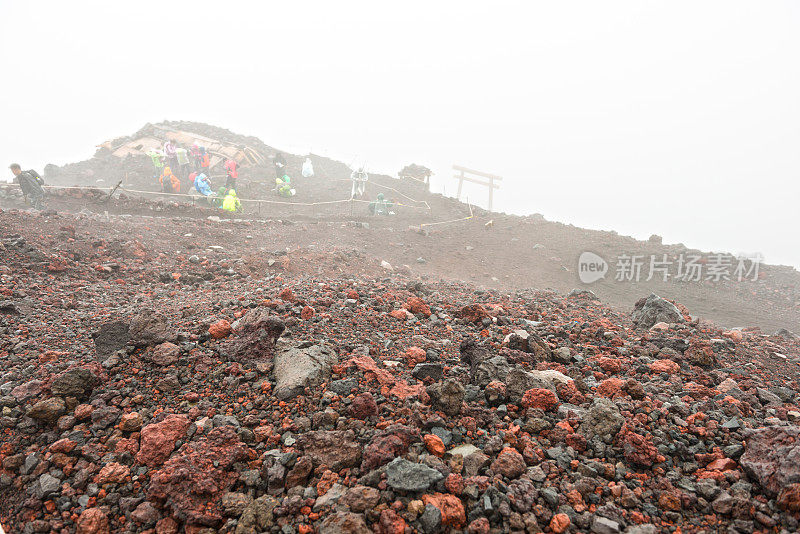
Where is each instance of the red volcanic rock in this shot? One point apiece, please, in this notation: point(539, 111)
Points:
point(509, 463)
point(611, 366)
point(192, 482)
point(638, 449)
point(112, 473)
point(93, 521)
point(149, 327)
point(701, 353)
point(220, 329)
point(130, 422)
point(158, 439)
point(568, 392)
point(634, 388)
point(363, 406)
point(479, 526)
point(166, 525)
point(576, 441)
point(417, 306)
point(307, 313)
point(388, 445)
point(64, 446)
point(255, 337)
point(450, 506)
point(789, 498)
point(454, 483)
point(669, 500)
point(390, 523)
point(127, 445)
point(473, 313)
point(771, 456)
point(145, 513)
point(610, 387)
point(344, 523)
point(401, 315)
point(540, 398)
point(83, 411)
point(287, 294)
point(27, 390)
point(165, 354)
point(326, 482)
point(559, 523)
point(299, 473)
point(434, 444)
point(361, 498)
point(413, 356)
point(665, 366)
point(722, 464)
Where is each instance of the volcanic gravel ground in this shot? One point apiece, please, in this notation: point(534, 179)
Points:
point(164, 382)
point(510, 253)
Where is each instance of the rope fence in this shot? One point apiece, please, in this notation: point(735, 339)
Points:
point(470, 216)
point(257, 201)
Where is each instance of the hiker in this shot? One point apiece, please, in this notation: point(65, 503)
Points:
point(232, 174)
point(171, 154)
point(158, 161)
point(359, 179)
point(183, 160)
point(381, 206)
point(205, 160)
point(169, 182)
point(202, 185)
point(280, 165)
point(216, 199)
point(197, 156)
point(284, 186)
point(31, 184)
point(231, 202)
point(308, 169)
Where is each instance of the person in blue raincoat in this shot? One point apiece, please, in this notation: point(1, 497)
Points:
point(202, 185)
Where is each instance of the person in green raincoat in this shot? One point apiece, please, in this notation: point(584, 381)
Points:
point(157, 157)
point(231, 202)
point(381, 206)
point(284, 186)
point(217, 198)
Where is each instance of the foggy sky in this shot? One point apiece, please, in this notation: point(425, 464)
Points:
point(675, 118)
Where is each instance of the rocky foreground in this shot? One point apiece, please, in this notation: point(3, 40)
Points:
point(145, 389)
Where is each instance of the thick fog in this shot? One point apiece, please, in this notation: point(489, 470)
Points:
point(675, 118)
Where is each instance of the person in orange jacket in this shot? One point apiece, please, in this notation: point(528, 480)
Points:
point(169, 182)
point(232, 174)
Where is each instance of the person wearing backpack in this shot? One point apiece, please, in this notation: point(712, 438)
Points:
point(360, 179)
point(31, 184)
point(308, 168)
point(232, 174)
point(280, 165)
point(169, 182)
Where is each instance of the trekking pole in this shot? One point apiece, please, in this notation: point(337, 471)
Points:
point(113, 190)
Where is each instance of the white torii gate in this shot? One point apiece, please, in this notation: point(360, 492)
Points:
point(489, 182)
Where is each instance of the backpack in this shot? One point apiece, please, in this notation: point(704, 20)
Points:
point(36, 176)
